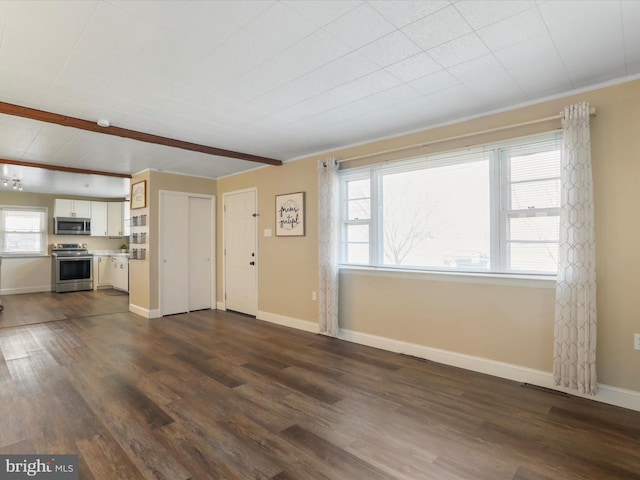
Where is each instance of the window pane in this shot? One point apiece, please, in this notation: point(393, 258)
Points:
point(359, 199)
point(542, 194)
point(23, 221)
point(358, 233)
point(359, 209)
point(358, 189)
point(432, 213)
point(535, 166)
point(23, 242)
point(534, 228)
point(534, 257)
point(358, 244)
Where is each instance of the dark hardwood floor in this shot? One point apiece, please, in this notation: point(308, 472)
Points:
point(217, 395)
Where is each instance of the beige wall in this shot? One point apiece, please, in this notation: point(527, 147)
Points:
point(287, 266)
point(503, 322)
point(144, 276)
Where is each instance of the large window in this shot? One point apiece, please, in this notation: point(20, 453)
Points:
point(23, 230)
point(489, 209)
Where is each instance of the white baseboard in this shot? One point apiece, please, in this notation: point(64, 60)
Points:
point(607, 394)
point(16, 291)
point(288, 321)
point(144, 312)
point(220, 306)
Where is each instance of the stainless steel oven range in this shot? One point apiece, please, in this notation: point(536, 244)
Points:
point(72, 267)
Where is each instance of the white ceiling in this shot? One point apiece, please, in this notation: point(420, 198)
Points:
point(284, 79)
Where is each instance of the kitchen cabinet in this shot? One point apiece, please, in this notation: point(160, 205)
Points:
point(126, 218)
point(120, 272)
point(115, 225)
point(102, 271)
point(63, 207)
point(98, 219)
point(108, 219)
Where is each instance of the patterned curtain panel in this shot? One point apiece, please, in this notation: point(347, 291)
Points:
point(328, 211)
point(574, 363)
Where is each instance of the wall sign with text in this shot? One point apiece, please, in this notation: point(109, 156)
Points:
point(290, 215)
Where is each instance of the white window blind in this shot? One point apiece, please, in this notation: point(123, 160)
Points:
point(24, 230)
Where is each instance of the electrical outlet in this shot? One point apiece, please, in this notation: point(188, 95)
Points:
point(314, 297)
point(636, 341)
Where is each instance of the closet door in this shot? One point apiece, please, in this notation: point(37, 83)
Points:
point(186, 252)
point(174, 264)
point(200, 252)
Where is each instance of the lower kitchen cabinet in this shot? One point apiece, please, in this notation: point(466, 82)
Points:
point(111, 271)
point(120, 272)
point(102, 271)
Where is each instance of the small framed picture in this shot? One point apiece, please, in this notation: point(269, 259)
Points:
point(290, 215)
point(139, 194)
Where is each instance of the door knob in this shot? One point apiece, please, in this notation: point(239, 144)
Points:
point(252, 263)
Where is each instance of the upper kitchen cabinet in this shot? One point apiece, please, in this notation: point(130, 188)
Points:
point(99, 219)
point(108, 219)
point(115, 219)
point(65, 208)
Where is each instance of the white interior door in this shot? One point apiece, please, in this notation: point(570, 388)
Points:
point(174, 268)
point(200, 253)
point(240, 221)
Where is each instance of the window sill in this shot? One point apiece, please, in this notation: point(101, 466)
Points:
point(24, 255)
point(485, 278)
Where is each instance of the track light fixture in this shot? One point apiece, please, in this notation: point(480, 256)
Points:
point(16, 183)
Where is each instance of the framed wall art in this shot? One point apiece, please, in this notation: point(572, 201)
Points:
point(139, 194)
point(290, 215)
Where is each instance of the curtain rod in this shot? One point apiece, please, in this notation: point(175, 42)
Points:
point(592, 111)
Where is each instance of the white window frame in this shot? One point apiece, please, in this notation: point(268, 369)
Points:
point(500, 211)
point(44, 233)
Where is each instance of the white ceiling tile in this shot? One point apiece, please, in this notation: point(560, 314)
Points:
point(112, 40)
point(588, 16)
point(390, 49)
point(29, 46)
point(21, 86)
point(513, 30)
point(202, 24)
point(161, 14)
point(309, 54)
point(438, 28)
point(486, 12)
point(414, 67)
point(343, 70)
point(16, 135)
point(497, 90)
point(404, 12)
point(360, 26)
point(480, 67)
point(237, 12)
point(460, 50)
point(50, 140)
point(322, 13)
point(369, 104)
point(579, 51)
point(168, 55)
point(270, 33)
point(435, 82)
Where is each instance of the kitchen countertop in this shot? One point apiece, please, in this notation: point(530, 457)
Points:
point(109, 253)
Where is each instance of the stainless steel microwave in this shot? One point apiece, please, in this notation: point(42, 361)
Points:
point(71, 226)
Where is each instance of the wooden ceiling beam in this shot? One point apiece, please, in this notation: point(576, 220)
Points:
point(49, 117)
point(60, 168)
